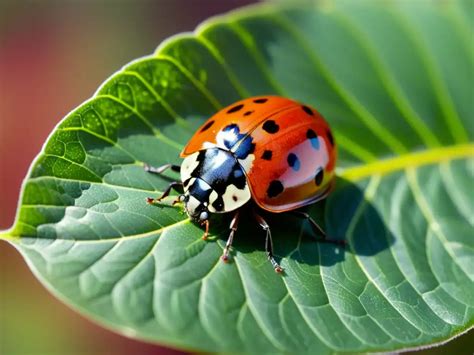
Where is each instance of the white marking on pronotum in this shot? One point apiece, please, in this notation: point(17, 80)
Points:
point(209, 145)
point(192, 204)
point(230, 136)
point(190, 163)
point(212, 198)
point(190, 183)
point(235, 198)
point(246, 163)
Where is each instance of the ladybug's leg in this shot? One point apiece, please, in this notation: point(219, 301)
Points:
point(318, 229)
point(161, 169)
point(174, 185)
point(206, 231)
point(268, 242)
point(233, 228)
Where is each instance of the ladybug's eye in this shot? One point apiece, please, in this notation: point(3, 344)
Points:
point(182, 198)
point(204, 216)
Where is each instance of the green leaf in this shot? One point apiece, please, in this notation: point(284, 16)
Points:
point(395, 83)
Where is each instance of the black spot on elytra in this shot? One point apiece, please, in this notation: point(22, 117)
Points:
point(307, 110)
point(235, 108)
point(270, 126)
point(267, 155)
point(313, 138)
point(318, 179)
point(207, 126)
point(275, 188)
point(252, 148)
point(248, 113)
point(330, 137)
point(310, 134)
point(293, 161)
point(260, 101)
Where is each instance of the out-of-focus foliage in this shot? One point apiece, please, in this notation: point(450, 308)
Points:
point(391, 81)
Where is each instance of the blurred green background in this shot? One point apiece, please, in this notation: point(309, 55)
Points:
point(53, 56)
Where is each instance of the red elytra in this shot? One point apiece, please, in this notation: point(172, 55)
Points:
point(272, 150)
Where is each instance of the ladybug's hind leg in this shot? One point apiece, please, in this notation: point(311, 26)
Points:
point(324, 238)
point(268, 242)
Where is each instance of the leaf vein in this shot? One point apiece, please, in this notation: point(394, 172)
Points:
point(368, 195)
point(258, 321)
point(356, 106)
point(428, 214)
point(452, 119)
point(393, 90)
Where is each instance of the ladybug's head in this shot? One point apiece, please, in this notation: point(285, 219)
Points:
point(195, 208)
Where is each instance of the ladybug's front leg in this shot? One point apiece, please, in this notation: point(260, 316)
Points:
point(268, 242)
point(174, 185)
point(178, 186)
point(161, 169)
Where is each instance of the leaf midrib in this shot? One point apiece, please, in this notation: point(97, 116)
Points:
point(381, 167)
point(405, 161)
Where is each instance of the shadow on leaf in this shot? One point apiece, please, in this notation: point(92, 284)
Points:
point(346, 215)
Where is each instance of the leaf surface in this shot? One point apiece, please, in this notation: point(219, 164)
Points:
point(392, 82)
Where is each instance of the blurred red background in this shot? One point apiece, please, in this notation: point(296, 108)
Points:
point(53, 55)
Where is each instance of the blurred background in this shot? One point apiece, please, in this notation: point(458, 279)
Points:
point(53, 55)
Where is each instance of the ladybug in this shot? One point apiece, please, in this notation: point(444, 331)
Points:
point(271, 150)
